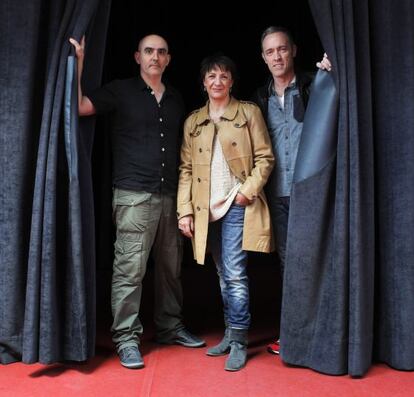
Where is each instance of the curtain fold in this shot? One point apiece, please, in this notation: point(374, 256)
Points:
point(48, 289)
point(350, 240)
point(392, 35)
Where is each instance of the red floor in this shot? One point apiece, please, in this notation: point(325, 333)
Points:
point(174, 371)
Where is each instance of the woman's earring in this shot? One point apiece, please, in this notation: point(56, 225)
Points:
point(204, 89)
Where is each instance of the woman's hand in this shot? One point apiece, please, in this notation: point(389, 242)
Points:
point(186, 225)
point(242, 200)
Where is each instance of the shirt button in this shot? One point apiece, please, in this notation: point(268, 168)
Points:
point(198, 208)
point(162, 179)
point(163, 165)
point(199, 179)
point(163, 149)
point(287, 169)
point(161, 134)
point(233, 144)
point(286, 137)
point(200, 150)
point(161, 119)
point(286, 153)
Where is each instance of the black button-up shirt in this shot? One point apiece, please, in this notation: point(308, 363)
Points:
point(146, 135)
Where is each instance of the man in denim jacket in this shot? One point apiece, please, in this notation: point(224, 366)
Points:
point(283, 102)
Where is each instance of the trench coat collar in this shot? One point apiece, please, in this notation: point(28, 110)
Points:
point(229, 114)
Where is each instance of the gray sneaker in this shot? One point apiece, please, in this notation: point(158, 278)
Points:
point(131, 357)
point(183, 338)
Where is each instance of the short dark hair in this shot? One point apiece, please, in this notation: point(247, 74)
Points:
point(277, 29)
point(224, 63)
point(221, 61)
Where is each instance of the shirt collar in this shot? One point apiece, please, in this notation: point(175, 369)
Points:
point(143, 86)
point(271, 87)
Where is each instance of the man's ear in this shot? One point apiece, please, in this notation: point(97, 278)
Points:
point(136, 57)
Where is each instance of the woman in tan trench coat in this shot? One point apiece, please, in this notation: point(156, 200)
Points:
point(226, 158)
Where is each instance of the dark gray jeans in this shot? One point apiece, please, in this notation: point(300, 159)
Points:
point(145, 221)
point(279, 211)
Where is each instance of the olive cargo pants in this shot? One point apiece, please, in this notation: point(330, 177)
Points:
point(145, 221)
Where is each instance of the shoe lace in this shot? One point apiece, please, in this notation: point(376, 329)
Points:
point(184, 334)
point(129, 352)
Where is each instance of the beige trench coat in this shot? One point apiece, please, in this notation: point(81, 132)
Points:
point(247, 148)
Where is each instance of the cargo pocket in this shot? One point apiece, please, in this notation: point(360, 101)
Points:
point(131, 213)
point(129, 198)
point(129, 260)
point(124, 247)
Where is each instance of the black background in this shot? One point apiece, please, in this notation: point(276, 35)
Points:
point(194, 32)
point(215, 27)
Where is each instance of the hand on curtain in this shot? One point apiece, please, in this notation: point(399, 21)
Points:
point(325, 63)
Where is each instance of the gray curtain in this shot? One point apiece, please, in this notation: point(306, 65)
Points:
point(47, 269)
point(348, 296)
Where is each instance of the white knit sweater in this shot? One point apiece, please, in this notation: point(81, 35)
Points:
point(224, 186)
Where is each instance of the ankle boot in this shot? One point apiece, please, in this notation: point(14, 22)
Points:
point(238, 350)
point(222, 348)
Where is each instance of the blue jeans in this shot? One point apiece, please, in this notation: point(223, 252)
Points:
point(225, 241)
